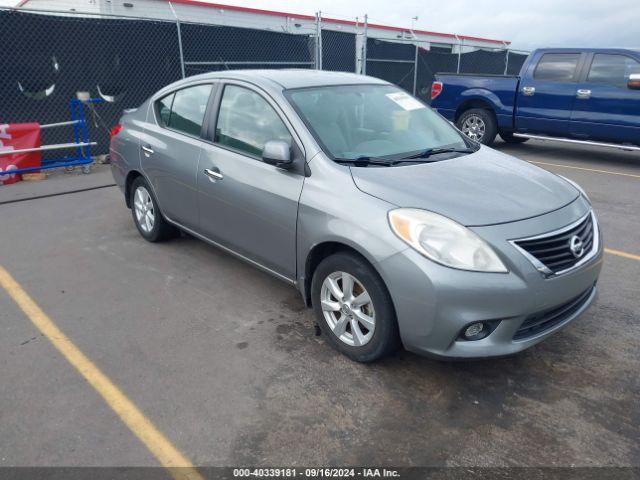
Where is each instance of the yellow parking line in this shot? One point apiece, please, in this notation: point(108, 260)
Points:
point(620, 253)
point(586, 169)
point(168, 455)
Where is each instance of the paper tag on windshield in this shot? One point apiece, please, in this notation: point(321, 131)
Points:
point(405, 101)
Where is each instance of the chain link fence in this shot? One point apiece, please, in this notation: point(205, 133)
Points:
point(50, 56)
point(413, 65)
point(212, 48)
point(47, 59)
point(338, 51)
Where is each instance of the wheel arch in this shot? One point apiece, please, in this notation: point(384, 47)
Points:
point(131, 176)
point(318, 253)
point(474, 103)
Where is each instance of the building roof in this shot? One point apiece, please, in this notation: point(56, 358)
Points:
point(450, 36)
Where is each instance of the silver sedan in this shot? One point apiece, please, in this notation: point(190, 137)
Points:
point(395, 228)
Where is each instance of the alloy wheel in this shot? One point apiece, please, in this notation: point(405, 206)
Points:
point(143, 206)
point(348, 309)
point(474, 127)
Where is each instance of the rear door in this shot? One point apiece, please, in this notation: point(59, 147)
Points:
point(547, 92)
point(605, 108)
point(171, 148)
point(245, 204)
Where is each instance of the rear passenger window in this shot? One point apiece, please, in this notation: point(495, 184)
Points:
point(557, 67)
point(184, 110)
point(612, 69)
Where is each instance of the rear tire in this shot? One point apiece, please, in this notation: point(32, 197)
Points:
point(147, 215)
point(479, 125)
point(509, 138)
point(353, 308)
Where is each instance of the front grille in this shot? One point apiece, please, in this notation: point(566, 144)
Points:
point(543, 321)
point(554, 250)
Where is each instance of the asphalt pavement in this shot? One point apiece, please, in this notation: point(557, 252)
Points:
point(225, 362)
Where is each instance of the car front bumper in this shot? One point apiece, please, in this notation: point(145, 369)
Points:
point(435, 303)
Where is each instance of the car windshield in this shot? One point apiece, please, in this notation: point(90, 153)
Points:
point(373, 121)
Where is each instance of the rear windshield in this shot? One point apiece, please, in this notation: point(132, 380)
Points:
point(352, 121)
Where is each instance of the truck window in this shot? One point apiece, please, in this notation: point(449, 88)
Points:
point(612, 69)
point(557, 67)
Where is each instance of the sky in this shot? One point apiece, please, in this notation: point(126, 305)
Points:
point(528, 25)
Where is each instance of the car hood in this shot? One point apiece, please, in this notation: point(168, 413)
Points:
point(483, 188)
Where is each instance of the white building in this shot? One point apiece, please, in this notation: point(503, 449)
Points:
point(219, 14)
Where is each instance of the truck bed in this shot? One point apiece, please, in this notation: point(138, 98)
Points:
point(462, 89)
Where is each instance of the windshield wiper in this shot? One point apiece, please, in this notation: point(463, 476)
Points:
point(364, 161)
point(435, 151)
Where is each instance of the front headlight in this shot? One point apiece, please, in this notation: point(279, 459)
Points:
point(578, 187)
point(444, 241)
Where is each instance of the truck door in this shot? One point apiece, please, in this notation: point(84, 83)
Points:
point(606, 108)
point(547, 93)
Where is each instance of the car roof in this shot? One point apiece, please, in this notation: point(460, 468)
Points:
point(292, 78)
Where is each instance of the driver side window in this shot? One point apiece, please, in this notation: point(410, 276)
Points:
point(246, 121)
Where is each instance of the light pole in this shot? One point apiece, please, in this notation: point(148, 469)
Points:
point(413, 22)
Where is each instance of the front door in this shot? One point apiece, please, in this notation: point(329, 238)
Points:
point(605, 108)
point(171, 148)
point(547, 92)
point(245, 204)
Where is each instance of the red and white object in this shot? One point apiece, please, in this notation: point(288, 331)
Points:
point(18, 136)
point(436, 89)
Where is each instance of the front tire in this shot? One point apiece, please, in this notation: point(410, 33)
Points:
point(146, 213)
point(353, 308)
point(479, 125)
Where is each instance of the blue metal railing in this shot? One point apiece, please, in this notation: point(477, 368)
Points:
point(81, 143)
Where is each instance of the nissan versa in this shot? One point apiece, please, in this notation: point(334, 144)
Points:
point(394, 226)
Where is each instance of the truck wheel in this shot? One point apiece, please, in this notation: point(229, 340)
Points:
point(509, 138)
point(478, 124)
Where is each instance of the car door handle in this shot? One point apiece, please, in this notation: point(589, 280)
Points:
point(528, 91)
point(213, 174)
point(147, 150)
point(583, 93)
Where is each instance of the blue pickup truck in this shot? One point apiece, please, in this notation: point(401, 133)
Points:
point(571, 95)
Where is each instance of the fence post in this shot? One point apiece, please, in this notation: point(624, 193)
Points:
point(506, 62)
point(318, 40)
point(364, 45)
point(179, 40)
point(358, 51)
point(415, 72)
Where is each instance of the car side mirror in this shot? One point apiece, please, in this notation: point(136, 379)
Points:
point(634, 81)
point(277, 153)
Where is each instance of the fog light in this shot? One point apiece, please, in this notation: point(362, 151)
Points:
point(478, 330)
point(473, 330)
